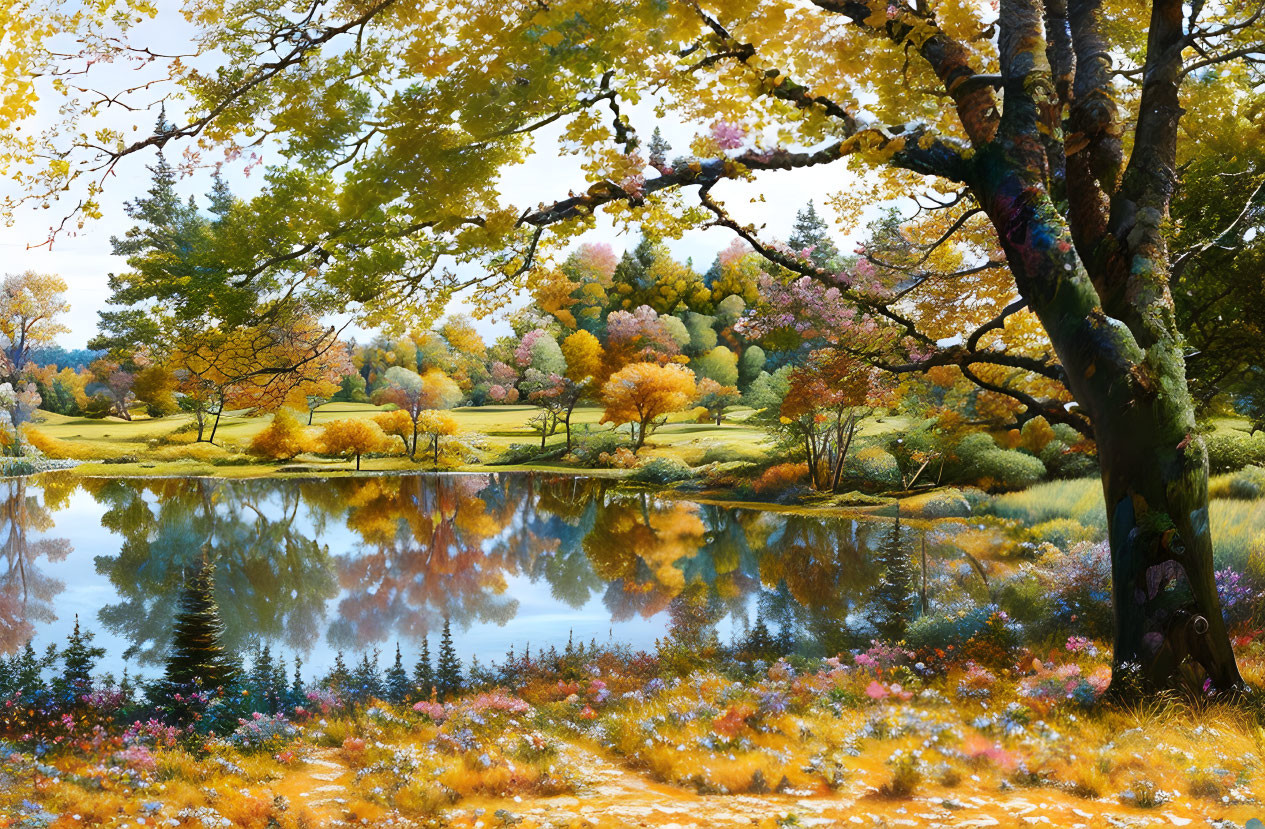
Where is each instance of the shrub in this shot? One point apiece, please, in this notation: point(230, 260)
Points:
point(1061, 532)
point(1247, 484)
point(15, 467)
point(941, 503)
point(282, 439)
point(733, 452)
point(1064, 461)
point(621, 458)
point(981, 460)
point(589, 449)
point(781, 477)
point(529, 452)
point(662, 471)
point(874, 467)
point(1231, 451)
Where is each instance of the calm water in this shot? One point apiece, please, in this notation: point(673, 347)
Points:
point(317, 566)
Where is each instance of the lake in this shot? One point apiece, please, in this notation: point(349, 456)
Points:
point(318, 566)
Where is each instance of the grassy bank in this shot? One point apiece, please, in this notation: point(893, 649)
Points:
point(168, 446)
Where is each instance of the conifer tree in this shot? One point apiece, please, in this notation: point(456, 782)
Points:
point(423, 673)
point(339, 678)
point(79, 657)
point(27, 670)
point(197, 658)
point(366, 680)
point(448, 671)
point(812, 234)
point(398, 687)
point(893, 596)
point(296, 687)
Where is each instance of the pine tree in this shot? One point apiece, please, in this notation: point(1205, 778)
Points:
point(366, 680)
point(448, 671)
point(79, 657)
point(27, 670)
point(296, 687)
point(894, 595)
point(423, 673)
point(811, 232)
point(260, 684)
point(197, 658)
point(759, 643)
point(398, 687)
point(339, 678)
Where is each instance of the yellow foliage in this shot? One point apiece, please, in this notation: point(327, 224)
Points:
point(282, 439)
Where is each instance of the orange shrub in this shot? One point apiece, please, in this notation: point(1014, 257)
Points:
point(282, 439)
point(780, 477)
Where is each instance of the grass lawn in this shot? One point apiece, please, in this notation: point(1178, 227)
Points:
point(166, 446)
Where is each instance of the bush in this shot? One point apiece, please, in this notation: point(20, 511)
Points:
point(282, 439)
point(1248, 484)
point(733, 452)
point(941, 503)
point(981, 460)
point(589, 449)
point(874, 467)
point(947, 628)
point(661, 471)
point(1063, 461)
point(15, 467)
point(780, 478)
point(1231, 451)
point(529, 452)
point(1061, 532)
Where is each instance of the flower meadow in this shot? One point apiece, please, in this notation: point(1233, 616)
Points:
point(881, 729)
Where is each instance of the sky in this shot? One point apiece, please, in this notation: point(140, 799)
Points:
point(84, 258)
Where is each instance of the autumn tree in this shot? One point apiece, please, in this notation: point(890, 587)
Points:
point(436, 425)
point(30, 304)
point(716, 397)
point(1054, 125)
point(415, 393)
point(351, 437)
point(281, 439)
point(826, 400)
point(644, 394)
point(397, 423)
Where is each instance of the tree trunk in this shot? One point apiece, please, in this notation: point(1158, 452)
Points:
point(357, 461)
point(216, 424)
point(1131, 378)
point(310, 413)
point(436, 446)
point(718, 414)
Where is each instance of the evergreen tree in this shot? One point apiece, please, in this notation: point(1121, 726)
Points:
point(397, 681)
point(366, 680)
point(811, 232)
point(160, 249)
point(296, 687)
point(260, 684)
point(339, 678)
point(197, 658)
point(759, 643)
point(448, 671)
point(894, 595)
point(423, 673)
point(78, 658)
point(27, 674)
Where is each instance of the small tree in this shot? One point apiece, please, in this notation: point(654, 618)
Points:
point(351, 437)
point(423, 672)
point(448, 671)
point(642, 393)
point(197, 658)
point(396, 685)
point(78, 658)
point(894, 596)
point(434, 425)
point(396, 423)
point(283, 439)
point(30, 304)
point(414, 393)
point(716, 398)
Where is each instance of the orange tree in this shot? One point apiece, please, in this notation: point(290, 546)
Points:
point(644, 394)
point(1056, 124)
point(351, 437)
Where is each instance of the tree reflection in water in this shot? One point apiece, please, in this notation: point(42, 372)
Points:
point(26, 594)
point(422, 548)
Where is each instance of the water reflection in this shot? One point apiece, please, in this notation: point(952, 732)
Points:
point(26, 594)
point(357, 563)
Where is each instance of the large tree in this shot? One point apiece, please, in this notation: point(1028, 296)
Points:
point(1058, 123)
